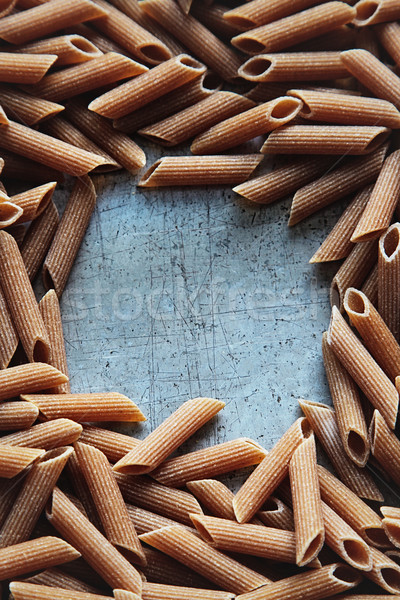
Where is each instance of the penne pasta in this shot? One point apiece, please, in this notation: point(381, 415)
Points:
point(158, 591)
point(161, 568)
point(33, 171)
point(22, 590)
point(46, 435)
point(70, 49)
point(200, 170)
point(145, 520)
point(388, 282)
point(82, 499)
point(37, 240)
point(390, 524)
point(294, 66)
point(50, 310)
point(114, 445)
point(276, 513)
point(168, 436)
point(9, 212)
point(26, 108)
point(69, 235)
point(58, 578)
point(215, 496)
point(388, 36)
point(255, 13)
point(385, 572)
point(24, 68)
point(211, 15)
point(139, 91)
point(14, 459)
point(86, 407)
point(370, 286)
point(376, 11)
point(17, 415)
point(28, 378)
point(385, 446)
point(33, 202)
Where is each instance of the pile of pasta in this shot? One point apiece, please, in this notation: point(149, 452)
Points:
point(88, 513)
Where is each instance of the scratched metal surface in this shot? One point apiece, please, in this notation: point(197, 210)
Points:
point(177, 293)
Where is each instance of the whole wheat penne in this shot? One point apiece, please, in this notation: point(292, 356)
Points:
point(319, 583)
point(34, 555)
point(249, 16)
point(161, 568)
point(145, 520)
point(376, 336)
point(325, 139)
point(14, 459)
point(6, 6)
point(307, 511)
point(391, 522)
point(373, 74)
point(48, 150)
point(102, 42)
point(215, 496)
point(23, 590)
point(58, 578)
point(200, 170)
point(114, 445)
point(198, 39)
point(388, 36)
point(385, 446)
point(101, 71)
point(294, 66)
point(39, 21)
point(276, 513)
point(28, 378)
point(173, 102)
point(24, 68)
point(212, 17)
point(269, 473)
point(370, 286)
point(9, 213)
point(114, 143)
point(363, 369)
point(244, 538)
point(50, 310)
point(34, 201)
point(69, 235)
point(168, 436)
point(150, 495)
point(246, 125)
point(323, 421)
point(353, 271)
point(385, 572)
point(32, 170)
point(82, 499)
point(353, 175)
point(21, 301)
point(389, 278)
point(17, 415)
point(295, 29)
point(70, 49)
point(149, 86)
point(107, 497)
point(9, 491)
point(197, 118)
point(110, 406)
point(32, 498)
point(159, 591)
point(210, 462)
point(26, 108)
point(348, 408)
point(193, 552)
point(370, 12)
point(337, 244)
point(37, 240)
point(283, 180)
point(47, 435)
point(130, 35)
point(94, 547)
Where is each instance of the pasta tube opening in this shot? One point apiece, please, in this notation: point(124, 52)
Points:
point(155, 53)
point(345, 574)
point(313, 548)
point(254, 67)
point(357, 554)
point(202, 529)
point(391, 578)
point(357, 445)
point(83, 45)
point(248, 45)
point(9, 213)
point(354, 302)
point(285, 109)
point(390, 242)
point(365, 11)
point(393, 531)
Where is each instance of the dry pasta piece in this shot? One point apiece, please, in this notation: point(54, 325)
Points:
point(376, 336)
point(9, 337)
point(32, 170)
point(9, 212)
point(101, 71)
point(388, 278)
point(325, 139)
point(33, 202)
point(116, 144)
point(149, 86)
point(37, 240)
point(257, 12)
point(110, 406)
point(32, 498)
point(15, 459)
point(103, 43)
point(26, 108)
point(270, 472)
point(24, 590)
point(212, 461)
point(295, 29)
point(48, 150)
point(385, 446)
point(39, 21)
point(6, 6)
point(28, 378)
point(215, 496)
point(200, 170)
point(50, 310)
point(371, 12)
point(83, 499)
point(307, 511)
point(323, 421)
point(24, 68)
point(47, 435)
point(94, 547)
point(385, 572)
point(388, 36)
point(145, 520)
point(319, 583)
point(373, 74)
point(353, 175)
point(193, 552)
point(198, 39)
point(58, 578)
point(246, 125)
point(348, 408)
point(168, 436)
point(370, 286)
point(21, 301)
point(114, 445)
point(161, 568)
point(34, 555)
point(367, 374)
point(17, 415)
point(337, 244)
point(353, 271)
point(212, 17)
point(69, 235)
point(294, 66)
point(70, 49)
point(159, 591)
point(107, 497)
point(197, 118)
point(390, 522)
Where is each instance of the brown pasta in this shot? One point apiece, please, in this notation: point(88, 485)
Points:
point(33, 202)
point(114, 445)
point(46, 435)
point(145, 520)
point(17, 415)
point(389, 278)
point(168, 436)
point(385, 572)
point(215, 496)
point(23, 590)
point(385, 446)
point(200, 170)
point(26, 108)
point(211, 15)
point(58, 578)
point(388, 36)
point(82, 499)
point(70, 49)
point(37, 240)
point(370, 286)
point(50, 310)
point(69, 235)
point(14, 459)
point(295, 29)
point(371, 12)
point(161, 568)
point(255, 13)
point(276, 513)
point(9, 337)
point(294, 66)
point(32, 170)
point(86, 407)
point(24, 68)
point(390, 524)
point(9, 212)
